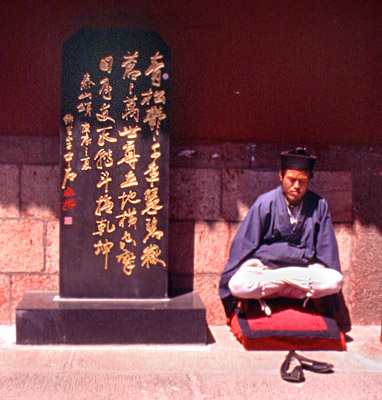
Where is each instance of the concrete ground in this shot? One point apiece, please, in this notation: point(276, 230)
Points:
point(220, 370)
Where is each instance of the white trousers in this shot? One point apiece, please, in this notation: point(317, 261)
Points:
point(253, 280)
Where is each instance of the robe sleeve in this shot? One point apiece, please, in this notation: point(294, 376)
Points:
point(326, 243)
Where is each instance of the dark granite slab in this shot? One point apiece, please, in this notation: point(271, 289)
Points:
point(42, 318)
point(114, 165)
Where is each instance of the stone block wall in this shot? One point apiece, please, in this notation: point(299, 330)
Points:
point(29, 227)
point(212, 185)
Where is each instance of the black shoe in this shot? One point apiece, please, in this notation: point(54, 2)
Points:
point(315, 366)
point(291, 369)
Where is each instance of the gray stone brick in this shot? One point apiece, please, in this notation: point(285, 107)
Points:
point(194, 194)
point(40, 191)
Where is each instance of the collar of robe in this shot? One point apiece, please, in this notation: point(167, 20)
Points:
point(294, 212)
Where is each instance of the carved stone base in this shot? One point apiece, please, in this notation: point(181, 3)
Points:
point(44, 318)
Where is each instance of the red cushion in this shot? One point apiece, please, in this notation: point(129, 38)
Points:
point(290, 327)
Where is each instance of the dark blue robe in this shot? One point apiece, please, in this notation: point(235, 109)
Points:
point(267, 235)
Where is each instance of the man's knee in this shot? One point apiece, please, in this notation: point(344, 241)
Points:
point(245, 280)
point(244, 289)
point(233, 286)
point(330, 284)
point(337, 281)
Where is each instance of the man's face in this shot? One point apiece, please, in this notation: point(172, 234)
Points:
point(295, 184)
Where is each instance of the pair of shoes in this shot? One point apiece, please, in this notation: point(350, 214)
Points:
point(314, 366)
point(291, 369)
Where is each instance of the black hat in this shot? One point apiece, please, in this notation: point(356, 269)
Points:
point(297, 159)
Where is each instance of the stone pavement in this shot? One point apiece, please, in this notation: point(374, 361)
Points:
point(220, 370)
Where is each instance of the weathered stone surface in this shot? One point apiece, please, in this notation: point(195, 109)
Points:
point(349, 157)
point(344, 236)
point(206, 285)
point(5, 286)
point(346, 290)
point(194, 194)
point(17, 149)
point(191, 154)
point(336, 158)
point(40, 191)
point(366, 275)
point(52, 247)
point(24, 283)
point(181, 247)
point(267, 155)
point(329, 157)
point(200, 247)
point(367, 198)
point(212, 244)
point(9, 193)
point(51, 150)
point(21, 246)
point(337, 189)
point(241, 188)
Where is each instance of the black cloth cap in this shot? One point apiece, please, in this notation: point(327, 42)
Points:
point(297, 159)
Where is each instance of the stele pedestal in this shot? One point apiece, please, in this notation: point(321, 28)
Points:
point(114, 158)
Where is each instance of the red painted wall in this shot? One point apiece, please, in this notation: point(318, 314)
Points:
point(278, 71)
